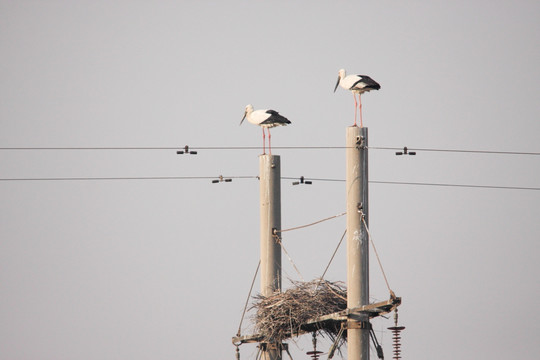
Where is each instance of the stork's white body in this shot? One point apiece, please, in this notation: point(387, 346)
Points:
point(357, 83)
point(265, 119)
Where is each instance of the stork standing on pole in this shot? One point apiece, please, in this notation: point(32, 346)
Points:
point(265, 119)
point(357, 84)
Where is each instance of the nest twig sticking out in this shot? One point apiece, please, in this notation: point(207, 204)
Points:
point(284, 315)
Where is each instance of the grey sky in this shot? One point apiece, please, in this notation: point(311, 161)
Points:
point(160, 269)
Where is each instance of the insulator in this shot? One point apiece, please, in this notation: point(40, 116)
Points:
point(187, 151)
point(396, 337)
point(314, 354)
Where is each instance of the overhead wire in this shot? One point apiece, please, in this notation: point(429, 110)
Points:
point(68, 148)
point(278, 240)
point(73, 148)
point(333, 255)
point(323, 147)
point(255, 147)
point(499, 187)
point(428, 184)
point(455, 185)
point(247, 300)
point(311, 224)
point(277, 236)
point(376, 253)
point(313, 179)
point(457, 150)
point(126, 178)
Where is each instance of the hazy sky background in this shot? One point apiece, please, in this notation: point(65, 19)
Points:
point(160, 269)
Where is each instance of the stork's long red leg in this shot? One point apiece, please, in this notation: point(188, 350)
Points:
point(269, 142)
point(264, 149)
point(360, 109)
point(355, 106)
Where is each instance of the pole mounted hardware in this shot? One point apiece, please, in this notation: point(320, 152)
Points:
point(360, 142)
point(405, 152)
point(376, 344)
point(334, 346)
point(396, 336)
point(186, 151)
point(302, 180)
point(315, 353)
point(221, 179)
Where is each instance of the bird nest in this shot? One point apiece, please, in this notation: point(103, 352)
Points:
point(287, 314)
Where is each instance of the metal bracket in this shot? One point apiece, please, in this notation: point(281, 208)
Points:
point(405, 152)
point(376, 344)
point(360, 142)
point(221, 179)
point(351, 324)
point(186, 151)
point(265, 346)
point(302, 181)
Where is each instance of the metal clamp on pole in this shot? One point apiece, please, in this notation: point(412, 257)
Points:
point(352, 324)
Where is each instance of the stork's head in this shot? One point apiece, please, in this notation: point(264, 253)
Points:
point(341, 75)
point(249, 110)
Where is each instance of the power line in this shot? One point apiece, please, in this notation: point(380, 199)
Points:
point(110, 148)
point(432, 184)
point(459, 151)
point(171, 148)
point(126, 178)
point(456, 185)
point(256, 177)
point(313, 179)
point(429, 184)
point(90, 148)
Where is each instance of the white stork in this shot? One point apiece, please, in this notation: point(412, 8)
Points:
point(357, 84)
point(265, 119)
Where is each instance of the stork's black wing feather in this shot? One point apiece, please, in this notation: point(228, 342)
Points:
point(275, 118)
point(369, 83)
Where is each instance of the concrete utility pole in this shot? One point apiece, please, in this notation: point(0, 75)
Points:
point(270, 202)
point(357, 242)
